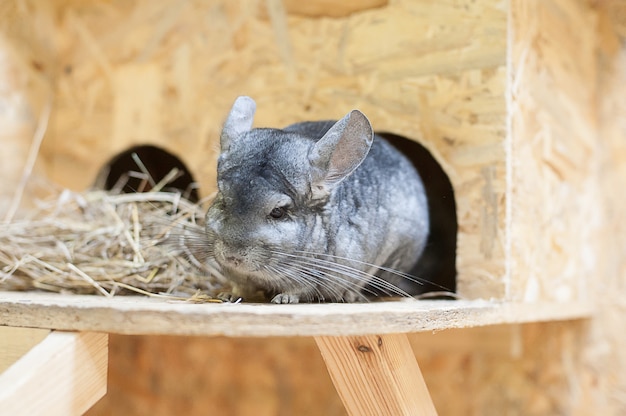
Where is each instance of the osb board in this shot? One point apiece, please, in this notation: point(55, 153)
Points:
point(148, 316)
point(553, 201)
point(21, 95)
point(535, 369)
point(586, 213)
point(166, 72)
point(513, 370)
point(605, 374)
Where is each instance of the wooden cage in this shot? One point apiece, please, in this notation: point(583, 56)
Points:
point(521, 103)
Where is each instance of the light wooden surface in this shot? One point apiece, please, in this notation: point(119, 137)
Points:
point(556, 150)
point(15, 342)
point(376, 375)
point(141, 315)
point(65, 374)
point(139, 72)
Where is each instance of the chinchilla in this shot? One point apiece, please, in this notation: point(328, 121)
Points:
point(318, 211)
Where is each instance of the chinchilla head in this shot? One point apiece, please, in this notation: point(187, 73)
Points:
point(273, 192)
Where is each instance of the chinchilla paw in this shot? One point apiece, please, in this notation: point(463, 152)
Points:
point(286, 298)
point(229, 297)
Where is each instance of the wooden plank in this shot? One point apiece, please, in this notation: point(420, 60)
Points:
point(142, 315)
point(376, 375)
point(65, 374)
point(15, 342)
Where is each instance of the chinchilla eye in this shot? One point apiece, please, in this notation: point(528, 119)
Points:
point(278, 213)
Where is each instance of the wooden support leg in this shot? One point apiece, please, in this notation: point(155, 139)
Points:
point(15, 342)
point(65, 374)
point(376, 375)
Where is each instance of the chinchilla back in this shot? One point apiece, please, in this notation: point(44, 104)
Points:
point(380, 212)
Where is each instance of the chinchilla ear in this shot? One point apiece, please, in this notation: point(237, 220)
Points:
point(339, 152)
point(239, 121)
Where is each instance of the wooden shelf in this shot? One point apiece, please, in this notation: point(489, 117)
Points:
point(142, 315)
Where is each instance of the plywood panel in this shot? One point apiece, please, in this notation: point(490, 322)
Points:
point(553, 198)
point(166, 73)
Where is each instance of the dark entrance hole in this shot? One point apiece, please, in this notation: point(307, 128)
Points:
point(140, 168)
point(438, 262)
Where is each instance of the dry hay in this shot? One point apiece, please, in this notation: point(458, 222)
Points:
point(105, 243)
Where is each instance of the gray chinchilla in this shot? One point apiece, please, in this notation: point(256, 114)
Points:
point(318, 211)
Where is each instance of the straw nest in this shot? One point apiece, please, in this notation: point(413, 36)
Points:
point(104, 243)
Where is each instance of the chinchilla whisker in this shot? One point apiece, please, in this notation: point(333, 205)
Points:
point(340, 271)
point(307, 265)
point(387, 269)
point(407, 276)
point(193, 231)
point(180, 245)
point(194, 247)
point(303, 277)
point(327, 280)
point(334, 272)
point(385, 287)
point(299, 278)
point(376, 282)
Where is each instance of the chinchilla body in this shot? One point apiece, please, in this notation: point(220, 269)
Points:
point(318, 211)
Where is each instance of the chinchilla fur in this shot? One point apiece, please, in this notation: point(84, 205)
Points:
point(318, 211)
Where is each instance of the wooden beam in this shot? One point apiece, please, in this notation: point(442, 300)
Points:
point(65, 374)
point(376, 375)
point(15, 342)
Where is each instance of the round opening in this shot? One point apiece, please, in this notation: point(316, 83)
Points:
point(146, 168)
point(437, 266)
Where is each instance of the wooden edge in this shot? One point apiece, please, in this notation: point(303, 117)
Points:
point(15, 342)
point(376, 375)
point(148, 316)
point(65, 374)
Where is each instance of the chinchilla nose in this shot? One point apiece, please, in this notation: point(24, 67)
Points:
point(235, 260)
point(232, 252)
